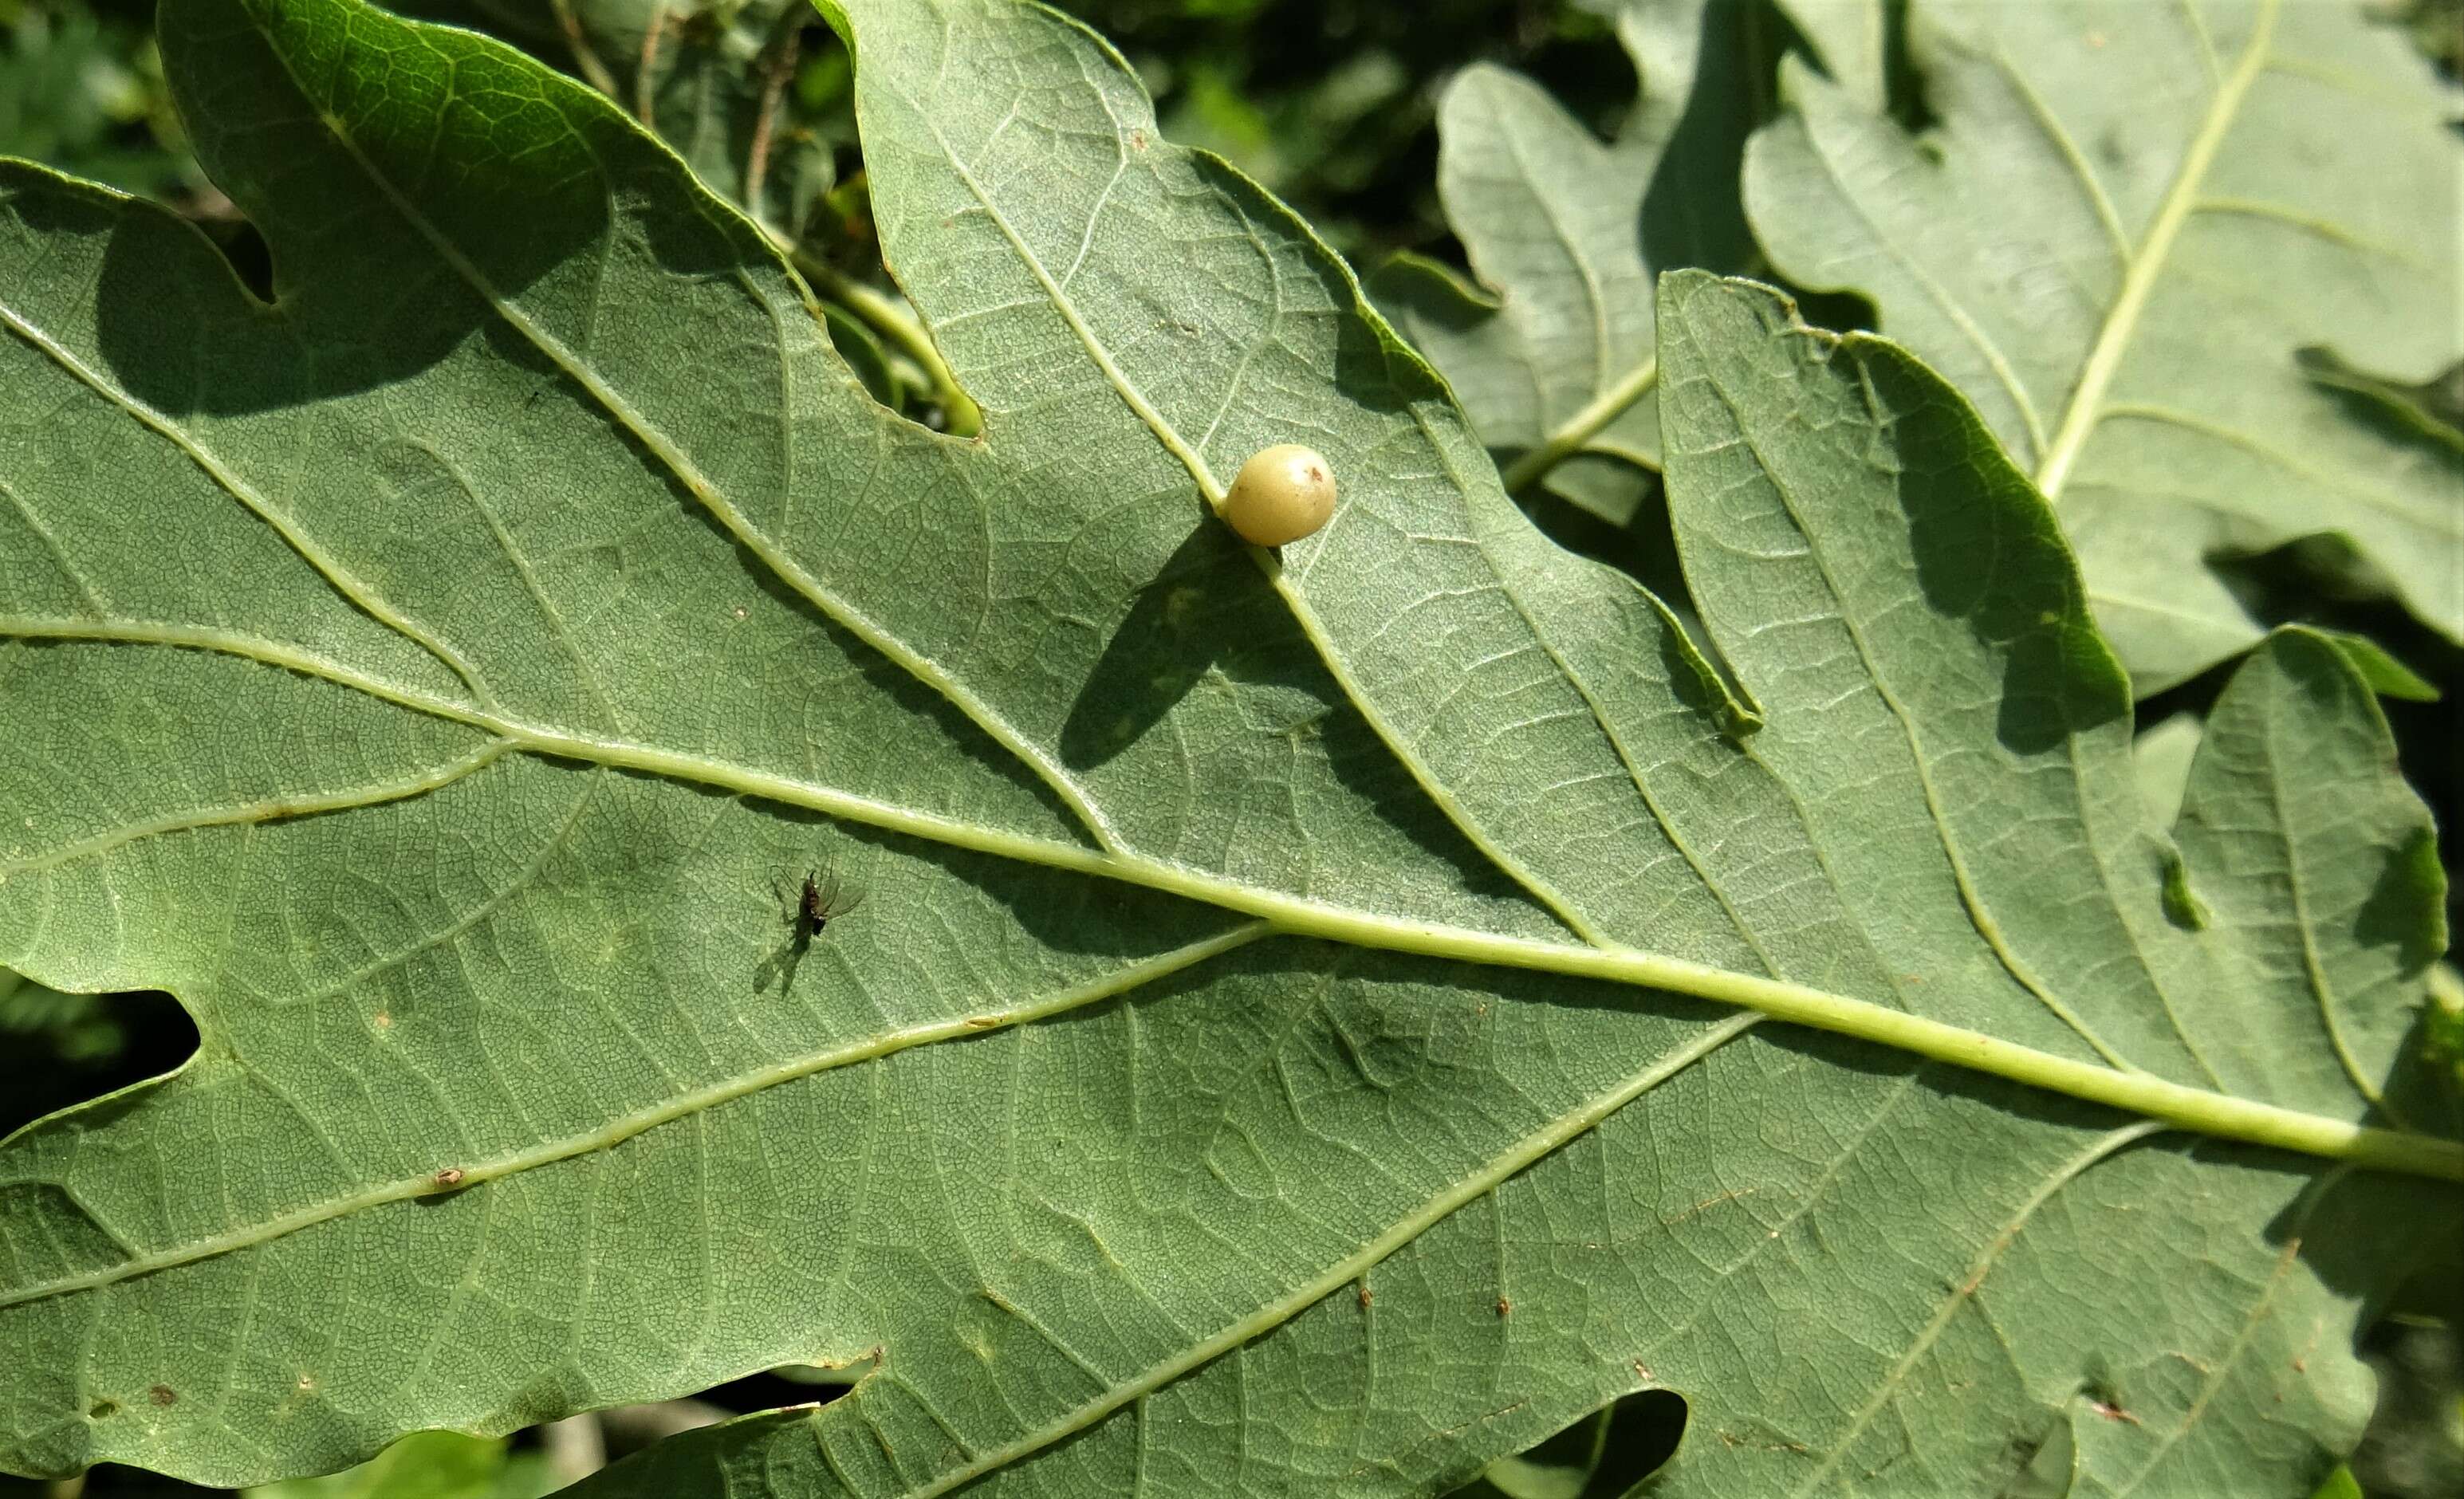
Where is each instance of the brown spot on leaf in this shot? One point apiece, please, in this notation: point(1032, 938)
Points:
point(1503, 1307)
point(162, 1395)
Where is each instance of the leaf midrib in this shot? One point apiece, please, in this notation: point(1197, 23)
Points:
point(1278, 911)
point(625, 1127)
point(2187, 1108)
point(1312, 626)
point(1466, 1189)
point(2196, 1110)
point(2095, 1154)
point(2148, 263)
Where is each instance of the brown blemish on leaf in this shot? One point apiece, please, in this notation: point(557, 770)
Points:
point(1712, 1202)
point(1137, 140)
point(162, 1395)
point(1504, 1307)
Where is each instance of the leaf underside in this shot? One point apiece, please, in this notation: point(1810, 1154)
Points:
point(2125, 227)
point(430, 675)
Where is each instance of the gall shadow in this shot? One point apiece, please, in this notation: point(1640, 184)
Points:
point(1208, 611)
point(1168, 640)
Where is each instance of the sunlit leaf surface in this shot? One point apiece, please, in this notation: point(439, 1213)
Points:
point(1304, 1025)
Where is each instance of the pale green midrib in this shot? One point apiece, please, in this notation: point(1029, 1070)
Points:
point(2322, 989)
point(1996, 363)
point(2104, 599)
point(2148, 264)
point(265, 810)
point(1331, 1278)
point(1307, 617)
point(2187, 1108)
point(2335, 233)
point(682, 1105)
point(1604, 351)
point(1582, 427)
point(2196, 1110)
point(737, 525)
point(2447, 523)
point(1972, 898)
point(2051, 126)
point(2070, 1171)
point(623, 754)
point(353, 589)
point(33, 522)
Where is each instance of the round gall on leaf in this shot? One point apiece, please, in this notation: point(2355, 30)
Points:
point(1282, 493)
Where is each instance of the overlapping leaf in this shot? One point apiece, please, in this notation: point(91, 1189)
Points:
point(1566, 233)
point(2127, 225)
point(1277, 1048)
point(1554, 355)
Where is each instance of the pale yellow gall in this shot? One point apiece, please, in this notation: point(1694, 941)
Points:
point(1282, 494)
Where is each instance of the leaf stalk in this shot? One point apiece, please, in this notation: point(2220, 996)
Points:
point(1582, 427)
point(960, 415)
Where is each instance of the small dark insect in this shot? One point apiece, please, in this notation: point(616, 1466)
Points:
point(821, 901)
point(807, 906)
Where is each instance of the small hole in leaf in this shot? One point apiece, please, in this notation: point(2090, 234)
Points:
point(59, 1048)
point(1607, 1452)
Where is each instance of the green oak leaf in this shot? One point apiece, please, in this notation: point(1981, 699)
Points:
point(716, 78)
point(1320, 1020)
point(1852, 39)
point(2128, 224)
point(1553, 355)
